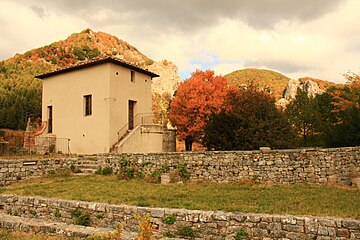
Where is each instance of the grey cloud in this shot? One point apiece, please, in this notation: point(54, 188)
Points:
point(190, 15)
point(282, 66)
point(39, 11)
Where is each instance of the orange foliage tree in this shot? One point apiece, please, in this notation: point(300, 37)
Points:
point(349, 95)
point(198, 97)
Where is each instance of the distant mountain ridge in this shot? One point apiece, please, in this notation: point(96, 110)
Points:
point(272, 81)
point(20, 92)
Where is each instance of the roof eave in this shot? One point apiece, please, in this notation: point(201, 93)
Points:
point(94, 63)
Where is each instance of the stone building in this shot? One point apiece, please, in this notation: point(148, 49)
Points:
point(100, 106)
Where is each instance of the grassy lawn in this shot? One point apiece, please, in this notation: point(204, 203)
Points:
point(299, 199)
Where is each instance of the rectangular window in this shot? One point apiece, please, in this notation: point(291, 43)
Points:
point(132, 75)
point(50, 119)
point(87, 105)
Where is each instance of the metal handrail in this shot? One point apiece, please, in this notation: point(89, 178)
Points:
point(140, 118)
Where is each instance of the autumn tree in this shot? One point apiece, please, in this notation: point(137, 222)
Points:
point(253, 121)
point(195, 100)
point(345, 129)
point(349, 95)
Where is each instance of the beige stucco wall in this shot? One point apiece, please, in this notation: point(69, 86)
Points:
point(110, 95)
point(149, 137)
point(121, 91)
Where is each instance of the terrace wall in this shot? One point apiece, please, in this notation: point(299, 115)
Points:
point(203, 224)
point(336, 165)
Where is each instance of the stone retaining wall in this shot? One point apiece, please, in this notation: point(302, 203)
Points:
point(200, 224)
point(337, 165)
point(16, 170)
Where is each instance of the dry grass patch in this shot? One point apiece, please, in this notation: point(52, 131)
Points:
point(299, 199)
point(17, 235)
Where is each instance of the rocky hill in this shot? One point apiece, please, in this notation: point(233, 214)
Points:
point(272, 81)
point(88, 45)
point(282, 87)
point(20, 96)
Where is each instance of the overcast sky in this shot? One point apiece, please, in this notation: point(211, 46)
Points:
point(317, 38)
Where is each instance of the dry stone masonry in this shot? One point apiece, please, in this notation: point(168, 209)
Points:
point(319, 166)
point(16, 170)
point(198, 224)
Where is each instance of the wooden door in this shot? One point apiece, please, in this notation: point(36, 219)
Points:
point(131, 114)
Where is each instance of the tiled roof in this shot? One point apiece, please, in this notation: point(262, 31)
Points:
point(97, 61)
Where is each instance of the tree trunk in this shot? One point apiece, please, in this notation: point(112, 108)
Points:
point(188, 143)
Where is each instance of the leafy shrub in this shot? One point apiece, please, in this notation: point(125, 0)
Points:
point(107, 171)
point(139, 174)
point(74, 169)
point(104, 171)
point(123, 162)
point(154, 177)
point(129, 172)
point(57, 213)
point(169, 219)
point(183, 172)
point(186, 231)
point(81, 218)
point(241, 234)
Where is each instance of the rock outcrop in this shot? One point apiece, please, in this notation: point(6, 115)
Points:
point(169, 78)
point(310, 87)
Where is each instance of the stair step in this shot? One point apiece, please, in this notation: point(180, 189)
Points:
point(82, 162)
point(35, 225)
point(87, 170)
point(88, 166)
point(46, 227)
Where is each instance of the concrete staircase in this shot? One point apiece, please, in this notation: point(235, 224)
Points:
point(86, 166)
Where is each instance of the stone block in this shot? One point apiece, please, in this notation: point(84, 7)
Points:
point(351, 224)
point(293, 228)
point(342, 232)
point(157, 212)
point(323, 231)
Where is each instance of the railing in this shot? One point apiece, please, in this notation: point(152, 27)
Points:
point(53, 144)
point(140, 118)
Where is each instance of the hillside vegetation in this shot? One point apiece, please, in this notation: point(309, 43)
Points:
point(272, 81)
point(20, 92)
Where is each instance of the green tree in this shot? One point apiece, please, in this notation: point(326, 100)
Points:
point(345, 127)
point(253, 121)
point(346, 131)
point(305, 118)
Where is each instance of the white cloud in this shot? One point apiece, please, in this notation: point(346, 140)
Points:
point(298, 38)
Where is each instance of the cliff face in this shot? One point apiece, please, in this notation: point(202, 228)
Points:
point(310, 87)
point(169, 78)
